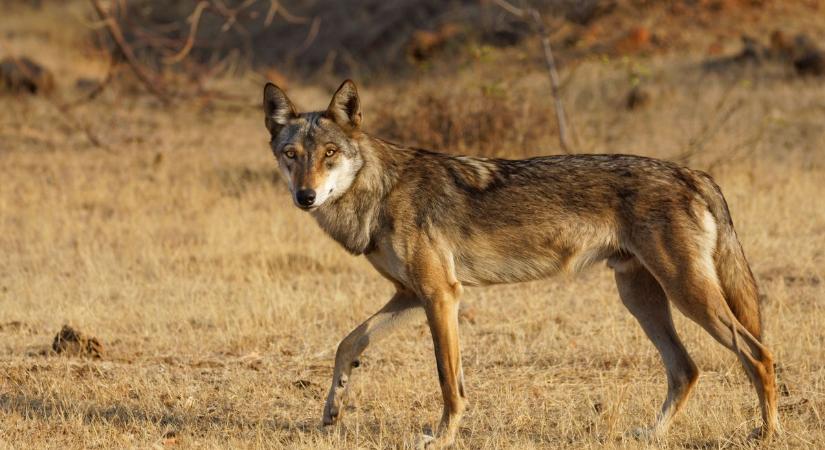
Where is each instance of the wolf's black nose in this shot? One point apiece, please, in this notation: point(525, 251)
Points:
point(305, 197)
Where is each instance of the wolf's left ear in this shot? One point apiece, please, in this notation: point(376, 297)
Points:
point(345, 107)
point(278, 108)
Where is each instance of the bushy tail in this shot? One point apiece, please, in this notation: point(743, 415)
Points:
point(735, 276)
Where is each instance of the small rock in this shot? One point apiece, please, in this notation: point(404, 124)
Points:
point(636, 39)
point(811, 63)
point(425, 43)
point(72, 342)
point(24, 75)
point(639, 36)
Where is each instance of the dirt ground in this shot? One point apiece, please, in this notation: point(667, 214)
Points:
point(219, 305)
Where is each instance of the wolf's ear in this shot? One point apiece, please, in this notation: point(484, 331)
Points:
point(345, 107)
point(277, 107)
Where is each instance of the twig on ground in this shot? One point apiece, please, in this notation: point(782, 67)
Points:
point(533, 15)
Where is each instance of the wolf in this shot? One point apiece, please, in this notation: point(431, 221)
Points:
point(431, 223)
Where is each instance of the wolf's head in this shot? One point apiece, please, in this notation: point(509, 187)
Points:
point(317, 151)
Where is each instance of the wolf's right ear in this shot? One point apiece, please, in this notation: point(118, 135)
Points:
point(345, 107)
point(278, 109)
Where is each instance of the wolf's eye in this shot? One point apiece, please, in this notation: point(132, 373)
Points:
point(331, 149)
point(290, 153)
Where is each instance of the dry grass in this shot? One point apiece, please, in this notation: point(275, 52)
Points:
point(220, 305)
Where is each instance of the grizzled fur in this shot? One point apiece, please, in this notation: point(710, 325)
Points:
point(431, 222)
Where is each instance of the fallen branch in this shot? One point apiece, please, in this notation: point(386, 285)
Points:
point(533, 15)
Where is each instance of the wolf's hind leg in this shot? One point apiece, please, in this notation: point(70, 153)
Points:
point(402, 306)
point(701, 300)
point(644, 298)
point(691, 283)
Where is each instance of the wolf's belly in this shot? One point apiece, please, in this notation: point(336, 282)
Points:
point(479, 271)
point(514, 261)
point(497, 259)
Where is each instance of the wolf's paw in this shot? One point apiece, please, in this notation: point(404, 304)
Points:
point(426, 441)
point(764, 433)
point(645, 433)
point(331, 414)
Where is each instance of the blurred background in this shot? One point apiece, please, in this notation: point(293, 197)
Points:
point(455, 75)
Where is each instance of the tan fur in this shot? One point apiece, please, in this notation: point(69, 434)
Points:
point(431, 223)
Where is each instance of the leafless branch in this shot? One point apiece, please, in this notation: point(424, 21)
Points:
point(514, 10)
point(117, 36)
point(92, 94)
point(740, 150)
point(722, 114)
point(276, 8)
point(193, 19)
point(84, 127)
point(177, 50)
point(533, 15)
point(311, 35)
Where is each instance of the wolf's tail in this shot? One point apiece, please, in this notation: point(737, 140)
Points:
point(732, 268)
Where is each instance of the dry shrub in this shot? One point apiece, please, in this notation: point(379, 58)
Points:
point(488, 122)
point(306, 36)
point(358, 38)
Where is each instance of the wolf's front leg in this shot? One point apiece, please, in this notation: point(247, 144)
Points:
point(402, 304)
point(442, 316)
point(434, 277)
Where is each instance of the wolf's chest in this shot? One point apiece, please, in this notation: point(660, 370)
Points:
point(388, 261)
point(347, 227)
